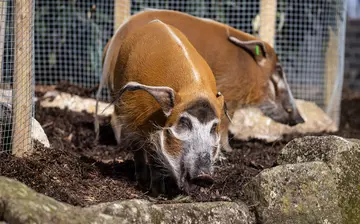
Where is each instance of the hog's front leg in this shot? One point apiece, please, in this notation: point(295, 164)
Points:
point(142, 171)
point(157, 182)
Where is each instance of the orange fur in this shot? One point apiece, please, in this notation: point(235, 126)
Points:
point(240, 79)
point(151, 56)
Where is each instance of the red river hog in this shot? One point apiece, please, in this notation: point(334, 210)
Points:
point(167, 107)
point(247, 70)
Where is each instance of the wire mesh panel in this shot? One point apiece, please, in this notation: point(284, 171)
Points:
point(352, 55)
point(70, 36)
point(238, 14)
point(69, 39)
point(309, 43)
point(352, 48)
point(6, 63)
point(16, 89)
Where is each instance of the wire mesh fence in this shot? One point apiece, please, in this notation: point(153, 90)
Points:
point(16, 61)
point(309, 42)
point(352, 55)
point(69, 37)
point(6, 45)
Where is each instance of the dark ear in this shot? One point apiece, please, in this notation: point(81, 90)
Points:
point(219, 94)
point(165, 96)
point(255, 48)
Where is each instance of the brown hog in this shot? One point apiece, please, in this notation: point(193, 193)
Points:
point(167, 108)
point(246, 69)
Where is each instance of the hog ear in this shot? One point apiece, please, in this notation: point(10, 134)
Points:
point(255, 48)
point(165, 96)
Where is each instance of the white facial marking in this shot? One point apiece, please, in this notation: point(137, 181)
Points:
point(183, 48)
point(287, 87)
point(262, 62)
point(281, 84)
point(275, 77)
point(272, 90)
point(198, 127)
point(198, 141)
point(174, 164)
point(200, 138)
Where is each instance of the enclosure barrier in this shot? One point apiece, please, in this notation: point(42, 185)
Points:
point(69, 37)
point(16, 51)
point(307, 36)
point(23, 82)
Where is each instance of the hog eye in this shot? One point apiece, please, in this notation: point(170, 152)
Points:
point(185, 123)
point(213, 128)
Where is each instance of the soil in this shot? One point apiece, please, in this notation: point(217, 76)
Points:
point(78, 171)
point(65, 86)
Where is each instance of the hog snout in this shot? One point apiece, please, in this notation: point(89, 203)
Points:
point(297, 120)
point(203, 180)
point(201, 174)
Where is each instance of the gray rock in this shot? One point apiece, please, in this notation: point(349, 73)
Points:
point(343, 158)
point(19, 204)
point(250, 122)
point(295, 194)
point(227, 212)
point(37, 132)
point(141, 211)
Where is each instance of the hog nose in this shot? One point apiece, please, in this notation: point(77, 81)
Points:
point(203, 180)
point(297, 120)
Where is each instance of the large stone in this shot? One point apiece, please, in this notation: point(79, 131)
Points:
point(251, 123)
point(37, 132)
point(75, 103)
point(141, 211)
point(343, 158)
point(295, 194)
point(19, 204)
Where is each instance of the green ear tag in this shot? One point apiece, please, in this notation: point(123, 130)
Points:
point(257, 50)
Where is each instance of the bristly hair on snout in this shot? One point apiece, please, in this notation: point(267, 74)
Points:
point(162, 159)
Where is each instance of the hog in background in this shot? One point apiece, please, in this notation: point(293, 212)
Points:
point(247, 70)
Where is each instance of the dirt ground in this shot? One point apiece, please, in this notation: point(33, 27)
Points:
point(78, 171)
